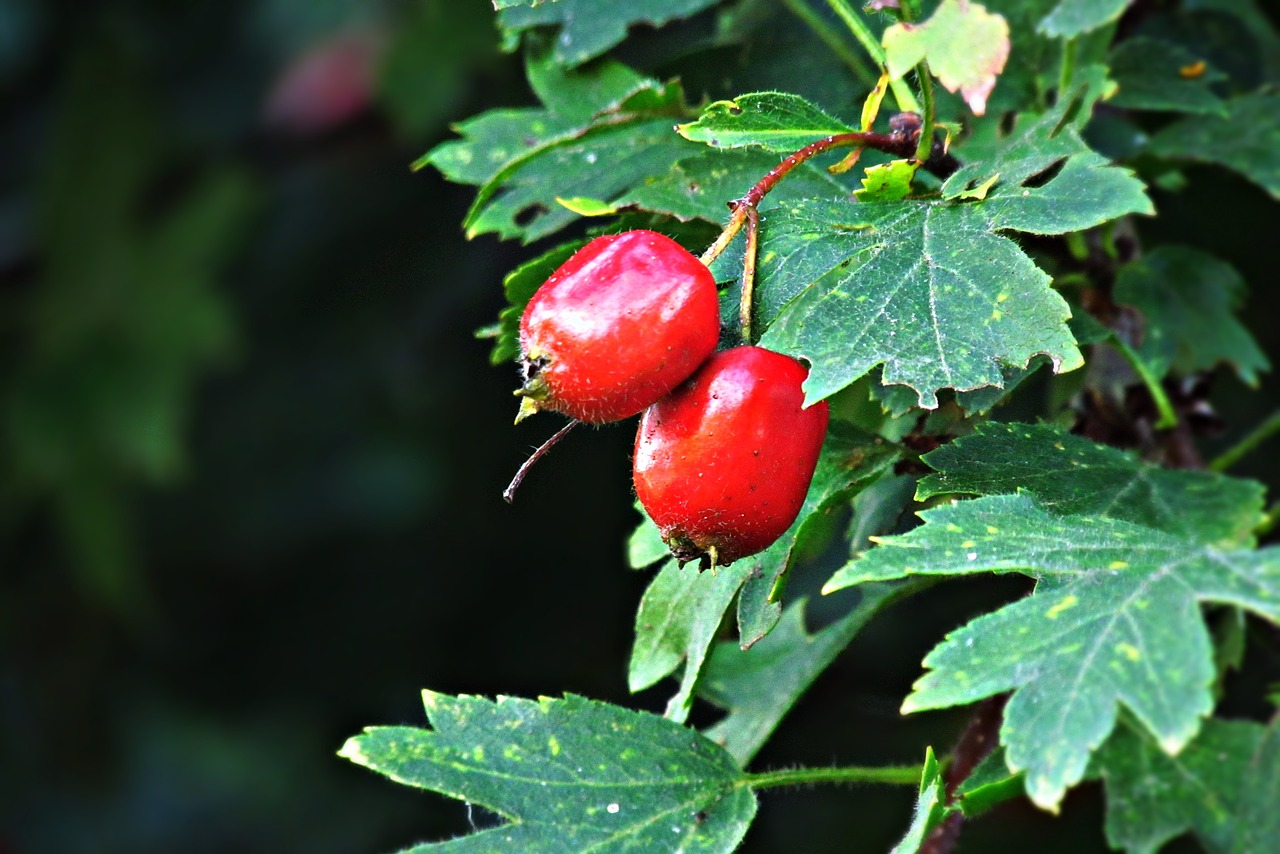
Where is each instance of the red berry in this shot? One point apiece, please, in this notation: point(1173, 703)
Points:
point(624, 321)
point(723, 464)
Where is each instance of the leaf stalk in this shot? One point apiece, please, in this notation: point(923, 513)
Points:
point(1168, 417)
point(1245, 446)
point(892, 775)
point(901, 91)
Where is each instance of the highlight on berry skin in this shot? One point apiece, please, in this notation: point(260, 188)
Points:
point(722, 465)
point(618, 326)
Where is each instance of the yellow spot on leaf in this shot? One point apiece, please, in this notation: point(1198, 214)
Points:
point(1129, 651)
point(554, 745)
point(1119, 564)
point(1194, 70)
point(1067, 603)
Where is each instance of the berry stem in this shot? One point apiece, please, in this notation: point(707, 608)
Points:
point(748, 275)
point(902, 143)
point(509, 494)
point(910, 10)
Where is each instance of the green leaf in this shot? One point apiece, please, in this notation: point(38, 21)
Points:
point(928, 289)
point(1070, 475)
point(990, 784)
point(1046, 178)
point(699, 187)
point(1189, 300)
point(1246, 139)
point(850, 461)
point(965, 45)
point(1115, 619)
point(1152, 75)
point(588, 28)
point(930, 807)
point(605, 130)
point(775, 121)
point(677, 621)
point(1153, 797)
point(567, 775)
point(519, 286)
point(887, 182)
point(1257, 822)
point(1073, 17)
point(645, 546)
point(1032, 68)
point(788, 661)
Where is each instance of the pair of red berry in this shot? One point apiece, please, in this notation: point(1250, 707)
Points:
point(726, 449)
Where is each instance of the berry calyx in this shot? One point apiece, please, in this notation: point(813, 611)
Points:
point(619, 325)
point(722, 464)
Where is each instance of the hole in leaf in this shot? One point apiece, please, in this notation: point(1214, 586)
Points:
point(525, 216)
point(1007, 121)
point(1044, 176)
point(1069, 115)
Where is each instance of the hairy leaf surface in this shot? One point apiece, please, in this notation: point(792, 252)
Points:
point(930, 810)
point(567, 774)
point(603, 131)
point(1115, 619)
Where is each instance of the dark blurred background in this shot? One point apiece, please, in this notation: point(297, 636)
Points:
point(251, 454)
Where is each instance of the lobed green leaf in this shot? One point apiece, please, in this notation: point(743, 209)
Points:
point(677, 621)
point(567, 775)
point(1071, 475)
point(1114, 619)
point(1189, 300)
point(1153, 797)
point(1159, 75)
point(1246, 139)
point(586, 29)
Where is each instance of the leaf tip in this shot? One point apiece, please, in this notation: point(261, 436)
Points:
point(352, 750)
point(430, 700)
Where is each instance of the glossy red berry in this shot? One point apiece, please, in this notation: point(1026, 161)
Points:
point(723, 464)
point(624, 321)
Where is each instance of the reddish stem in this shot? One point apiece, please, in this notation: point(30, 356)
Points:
point(509, 494)
point(980, 737)
point(901, 141)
